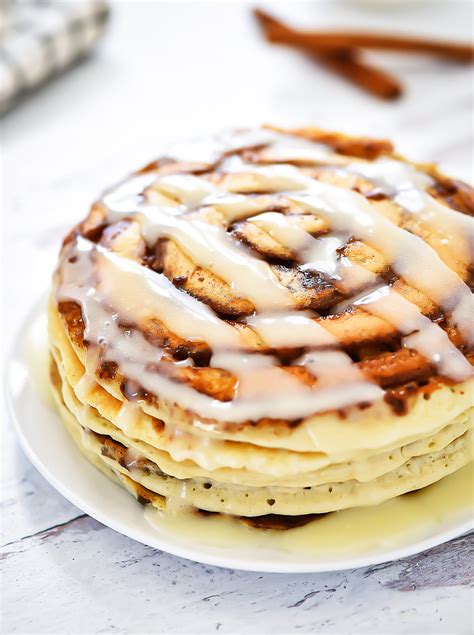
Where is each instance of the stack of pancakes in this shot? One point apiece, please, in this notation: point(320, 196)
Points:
point(270, 322)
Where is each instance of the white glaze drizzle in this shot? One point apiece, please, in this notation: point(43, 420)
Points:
point(124, 197)
point(406, 186)
point(319, 254)
point(213, 248)
point(131, 459)
point(267, 178)
point(149, 294)
point(421, 334)
point(332, 368)
point(291, 329)
point(288, 149)
point(237, 206)
point(127, 417)
point(84, 387)
point(335, 369)
point(190, 190)
point(258, 375)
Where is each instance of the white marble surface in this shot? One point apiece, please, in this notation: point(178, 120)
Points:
point(167, 70)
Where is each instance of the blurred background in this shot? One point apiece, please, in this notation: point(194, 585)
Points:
point(162, 71)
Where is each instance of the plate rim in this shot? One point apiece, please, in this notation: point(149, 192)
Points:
point(16, 353)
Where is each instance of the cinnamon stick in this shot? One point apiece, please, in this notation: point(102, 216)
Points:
point(327, 41)
point(373, 80)
point(344, 62)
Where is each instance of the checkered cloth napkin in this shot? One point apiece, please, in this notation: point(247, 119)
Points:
point(41, 38)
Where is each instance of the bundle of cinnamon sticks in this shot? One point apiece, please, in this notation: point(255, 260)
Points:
point(341, 52)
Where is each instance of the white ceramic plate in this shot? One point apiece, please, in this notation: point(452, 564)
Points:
point(47, 444)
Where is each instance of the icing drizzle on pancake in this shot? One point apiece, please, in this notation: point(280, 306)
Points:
point(122, 297)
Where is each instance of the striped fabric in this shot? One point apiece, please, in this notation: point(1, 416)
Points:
point(41, 38)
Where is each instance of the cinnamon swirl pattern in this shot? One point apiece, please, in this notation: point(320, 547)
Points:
point(270, 322)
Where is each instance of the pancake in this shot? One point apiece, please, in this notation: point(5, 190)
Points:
point(136, 471)
point(270, 322)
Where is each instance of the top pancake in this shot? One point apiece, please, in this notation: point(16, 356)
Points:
point(274, 287)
